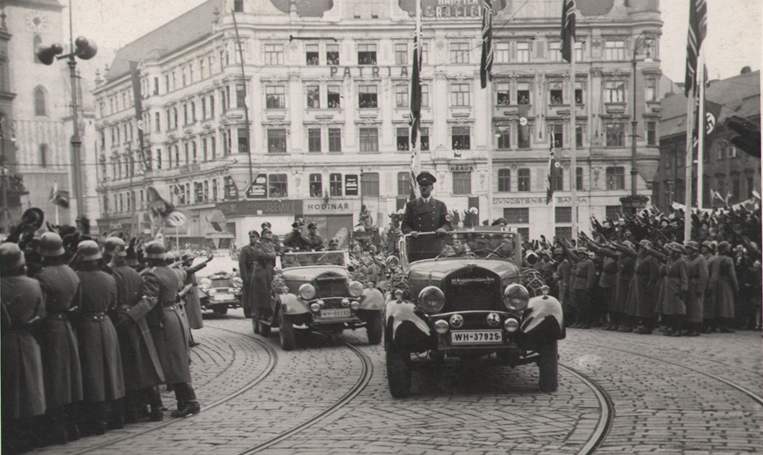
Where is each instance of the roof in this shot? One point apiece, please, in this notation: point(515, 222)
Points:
point(176, 34)
point(739, 95)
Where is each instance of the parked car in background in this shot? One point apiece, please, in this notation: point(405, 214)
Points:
point(219, 285)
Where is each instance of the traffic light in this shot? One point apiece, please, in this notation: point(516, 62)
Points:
point(748, 135)
point(85, 48)
point(48, 54)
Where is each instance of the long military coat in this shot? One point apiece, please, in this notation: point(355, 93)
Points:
point(626, 264)
point(167, 323)
point(676, 284)
point(192, 302)
point(142, 367)
point(723, 280)
point(102, 373)
point(710, 304)
point(59, 347)
point(422, 216)
point(698, 278)
point(23, 387)
point(246, 270)
point(642, 292)
point(262, 281)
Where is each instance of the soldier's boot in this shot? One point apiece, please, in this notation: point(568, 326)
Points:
point(154, 399)
point(98, 418)
point(116, 413)
point(56, 431)
point(187, 408)
point(132, 407)
point(72, 428)
point(726, 326)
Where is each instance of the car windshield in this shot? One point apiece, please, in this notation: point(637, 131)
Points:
point(313, 258)
point(461, 244)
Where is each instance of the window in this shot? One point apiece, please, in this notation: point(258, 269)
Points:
point(157, 122)
point(277, 187)
point(462, 183)
point(335, 184)
point(459, 95)
point(459, 53)
point(523, 179)
point(205, 149)
point(424, 138)
point(651, 133)
point(367, 98)
point(240, 97)
point(425, 53)
point(404, 183)
point(276, 140)
point(238, 6)
point(158, 158)
point(615, 134)
point(614, 50)
point(579, 179)
point(650, 90)
point(36, 43)
point(524, 132)
point(40, 104)
point(614, 92)
point(316, 185)
point(556, 94)
point(312, 55)
point(579, 51)
point(517, 215)
point(523, 93)
point(194, 153)
point(243, 140)
point(523, 52)
point(556, 131)
point(213, 147)
point(214, 189)
point(579, 135)
point(334, 97)
point(504, 180)
point(211, 106)
point(557, 181)
point(366, 54)
point(335, 140)
point(424, 95)
point(275, 97)
point(314, 140)
point(403, 139)
point(401, 53)
point(735, 191)
point(613, 212)
point(273, 54)
point(401, 95)
point(504, 142)
point(313, 96)
point(555, 51)
point(332, 54)
point(460, 138)
point(616, 178)
point(502, 97)
point(369, 140)
point(44, 155)
point(369, 184)
point(578, 95)
point(563, 214)
point(501, 52)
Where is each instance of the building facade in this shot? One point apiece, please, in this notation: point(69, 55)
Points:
point(325, 86)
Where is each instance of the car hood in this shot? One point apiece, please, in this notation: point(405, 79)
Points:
point(433, 271)
point(309, 273)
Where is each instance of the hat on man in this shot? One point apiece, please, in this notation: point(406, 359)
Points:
point(312, 226)
point(51, 245)
point(500, 221)
point(115, 246)
point(724, 247)
point(708, 244)
point(155, 250)
point(11, 257)
point(692, 245)
point(296, 225)
point(266, 224)
point(88, 250)
point(254, 233)
point(425, 178)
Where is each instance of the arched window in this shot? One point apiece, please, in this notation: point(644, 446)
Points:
point(44, 155)
point(40, 103)
point(36, 43)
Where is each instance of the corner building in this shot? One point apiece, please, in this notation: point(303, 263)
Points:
point(326, 84)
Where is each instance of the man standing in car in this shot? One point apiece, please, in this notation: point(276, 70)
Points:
point(246, 269)
point(425, 214)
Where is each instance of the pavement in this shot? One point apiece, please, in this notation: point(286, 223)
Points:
point(669, 395)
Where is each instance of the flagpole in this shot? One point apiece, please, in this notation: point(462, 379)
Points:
point(55, 196)
point(414, 136)
point(688, 164)
point(701, 129)
point(573, 145)
point(489, 147)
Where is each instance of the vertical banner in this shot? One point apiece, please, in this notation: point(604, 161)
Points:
point(138, 104)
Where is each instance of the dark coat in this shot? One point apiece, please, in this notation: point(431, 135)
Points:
point(262, 282)
point(167, 323)
point(698, 277)
point(60, 350)
point(642, 292)
point(675, 287)
point(23, 386)
point(421, 216)
point(710, 304)
point(246, 271)
point(192, 302)
point(295, 240)
point(563, 270)
point(142, 367)
point(102, 373)
point(314, 242)
point(723, 280)
point(626, 264)
point(585, 275)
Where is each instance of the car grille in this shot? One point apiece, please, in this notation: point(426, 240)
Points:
point(472, 288)
point(331, 286)
point(220, 283)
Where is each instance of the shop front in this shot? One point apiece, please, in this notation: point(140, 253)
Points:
point(334, 217)
point(242, 216)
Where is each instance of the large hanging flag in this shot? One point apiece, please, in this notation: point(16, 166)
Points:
point(415, 101)
point(697, 33)
point(568, 28)
point(137, 94)
point(554, 171)
point(486, 62)
point(59, 197)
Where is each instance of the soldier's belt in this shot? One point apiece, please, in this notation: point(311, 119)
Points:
point(174, 306)
point(57, 316)
point(95, 316)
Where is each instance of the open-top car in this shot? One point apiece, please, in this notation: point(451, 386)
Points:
point(317, 294)
point(219, 285)
point(462, 300)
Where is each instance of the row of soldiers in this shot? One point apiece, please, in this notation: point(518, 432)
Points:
point(89, 335)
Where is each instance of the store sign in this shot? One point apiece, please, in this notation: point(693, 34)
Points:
point(461, 168)
point(456, 8)
point(259, 188)
point(351, 185)
point(369, 71)
point(331, 206)
point(533, 200)
point(262, 207)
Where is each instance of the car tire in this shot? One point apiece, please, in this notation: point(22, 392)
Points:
point(220, 310)
point(255, 326)
point(287, 334)
point(247, 312)
point(398, 373)
point(264, 329)
point(374, 328)
point(548, 367)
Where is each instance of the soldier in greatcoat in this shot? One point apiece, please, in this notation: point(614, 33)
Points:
point(696, 268)
point(585, 280)
point(675, 290)
point(142, 367)
point(192, 301)
point(261, 285)
point(167, 328)
point(723, 279)
point(58, 343)
point(313, 239)
point(425, 214)
point(642, 294)
point(21, 302)
point(295, 240)
point(246, 269)
point(710, 307)
point(626, 263)
point(102, 373)
point(608, 281)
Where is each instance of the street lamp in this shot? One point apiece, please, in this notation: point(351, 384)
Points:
point(634, 201)
point(84, 49)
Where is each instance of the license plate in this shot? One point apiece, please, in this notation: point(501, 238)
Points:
point(476, 337)
point(223, 297)
point(336, 313)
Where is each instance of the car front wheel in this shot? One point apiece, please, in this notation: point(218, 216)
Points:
point(398, 373)
point(221, 310)
point(287, 334)
point(374, 328)
point(548, 366)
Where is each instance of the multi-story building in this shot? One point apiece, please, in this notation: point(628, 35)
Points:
point(326, 86)
point(728, 171)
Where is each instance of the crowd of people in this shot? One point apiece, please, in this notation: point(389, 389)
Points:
point(91, 328)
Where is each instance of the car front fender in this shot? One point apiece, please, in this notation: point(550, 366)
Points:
point(400, 312)
point(373, 299)
point(292, 305)
point(544, 318)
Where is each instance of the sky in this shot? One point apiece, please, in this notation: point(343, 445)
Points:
point(734, 29)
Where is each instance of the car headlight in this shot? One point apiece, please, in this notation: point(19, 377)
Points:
point(307, 291)
point(356, 288)
point(516, 297)
point(237, 282)
point(431, 299)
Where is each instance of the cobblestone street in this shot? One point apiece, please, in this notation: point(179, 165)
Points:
point(665, 395)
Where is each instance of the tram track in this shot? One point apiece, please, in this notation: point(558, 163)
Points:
point(606, 411)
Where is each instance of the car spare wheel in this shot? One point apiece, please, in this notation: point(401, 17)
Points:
point(374, 327)
point(287, 334)
point(548, 366)
point(398, 373)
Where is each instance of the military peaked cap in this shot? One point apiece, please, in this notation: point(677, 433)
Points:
point(425, 178)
